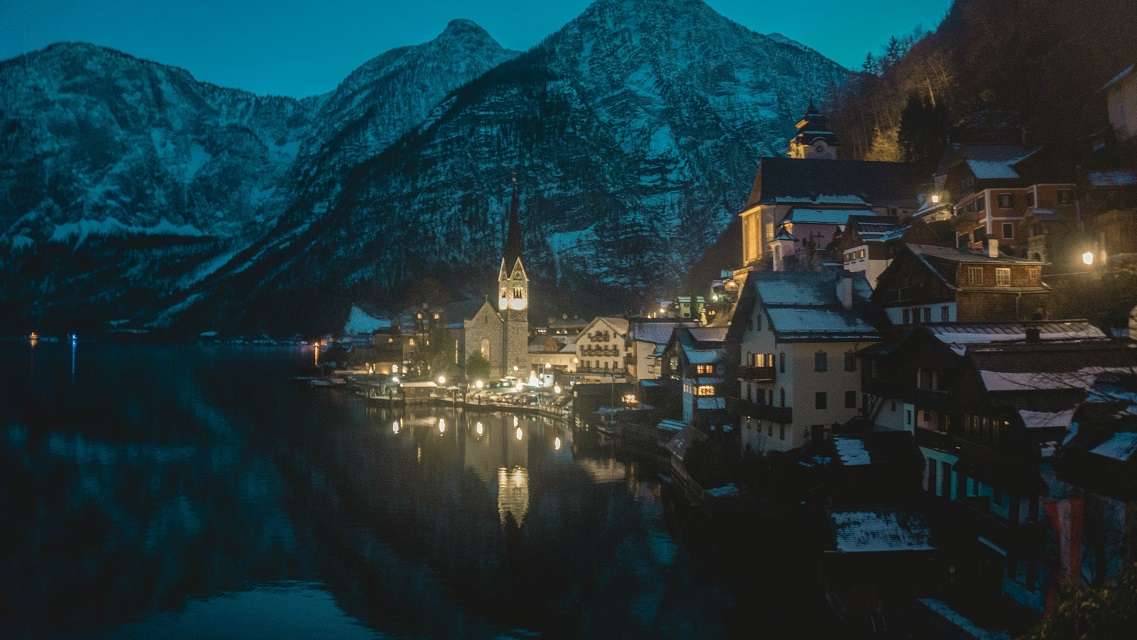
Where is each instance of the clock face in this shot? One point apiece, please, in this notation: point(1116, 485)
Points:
point(819, 147)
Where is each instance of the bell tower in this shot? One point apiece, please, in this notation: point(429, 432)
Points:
point(513, 296)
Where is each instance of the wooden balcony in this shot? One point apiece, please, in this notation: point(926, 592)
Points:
point(757, 374)
point(745, 408)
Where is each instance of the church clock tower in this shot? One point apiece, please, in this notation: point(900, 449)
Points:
point(513, 297)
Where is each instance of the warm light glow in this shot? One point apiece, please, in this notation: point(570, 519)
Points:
point(395, 369)
point(515, 368)
point(441, 380)
point(935, 198)
point(479, 429)
point(395, 379)
point(557, 389)
point(1088, 258)
point(515, 421)
point(663, 309)
point(519, 434)
point(519, 387)
point(442, 425)
point(395, 427)
point(557, 443)
point(478, 384)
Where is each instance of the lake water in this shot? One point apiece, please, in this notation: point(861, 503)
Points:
point(199, 492)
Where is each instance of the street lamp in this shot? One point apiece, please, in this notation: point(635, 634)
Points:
point(1088, 258)
point(441, 380)
point(478, 384)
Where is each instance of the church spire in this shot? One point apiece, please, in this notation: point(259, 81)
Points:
point(513, 243)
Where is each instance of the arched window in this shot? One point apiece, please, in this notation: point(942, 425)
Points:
point(485, 348)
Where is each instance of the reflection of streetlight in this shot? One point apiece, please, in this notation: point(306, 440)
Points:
point(395, 379)
point(515, 421)
point(1088, 258)
point(442, 425)
point(557, 443)
point(519, 434)
point(479, 429)
point(395, 427)
point(441, 380)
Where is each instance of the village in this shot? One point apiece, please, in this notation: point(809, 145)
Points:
point(935, 372)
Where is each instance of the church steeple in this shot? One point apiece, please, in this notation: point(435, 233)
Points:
point(513, 242)
point(814, 138)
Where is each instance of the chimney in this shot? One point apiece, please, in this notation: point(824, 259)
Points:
point(845, 290)
point(992, 247)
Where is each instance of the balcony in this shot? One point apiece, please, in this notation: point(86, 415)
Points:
point(781, 415)
point(757, 374)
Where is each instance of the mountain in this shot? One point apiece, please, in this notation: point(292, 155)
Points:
point(124, 180)
point(634, 132)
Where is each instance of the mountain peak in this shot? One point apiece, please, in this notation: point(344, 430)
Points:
point(465, 28)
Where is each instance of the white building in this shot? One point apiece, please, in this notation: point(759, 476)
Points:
point(798, 336)
point(602, 349)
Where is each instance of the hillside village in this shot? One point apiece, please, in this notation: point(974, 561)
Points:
point(940, 367)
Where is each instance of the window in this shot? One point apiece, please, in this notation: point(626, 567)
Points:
point(705, 369)
point(850, 361)
point(927, 314)
point(782, 396)
point(821, 361)
point(975, 276)
point(1002, 276)
point(1008, 230)
point(1033, 274)
point(821, 400)
point(1065, 196)
point(1006, 200)
point(850, 399)
point(1030, 198)
point(907, 316)
point(945, 314)
point(705, 390)
point(782, 362)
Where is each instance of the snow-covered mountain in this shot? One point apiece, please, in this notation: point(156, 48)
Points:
point(123, 181)
point(130, 190)
point(634, 130)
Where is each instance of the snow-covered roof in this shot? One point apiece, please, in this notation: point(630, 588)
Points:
point(619, 325)
point(1080, 379)
point(654, 331)
point(1120, 446)
point(711, 402)
point(992, 170)
point(708, 334)
point(806, 322)
point(670, 424)
point(1119, 77)
point(1119, 178)
point(1046, 419)
point(959, 255)
point(360, 322)
point(852, 451)
point(962, 622)
point(988, 332)
point(724, 491)
point(702, 356)
point(683, 440)
point(879, 530)
point(801, 215)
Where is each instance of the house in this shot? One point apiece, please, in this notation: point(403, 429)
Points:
point(1121, 103)
point(602, 349)
point(797, 335)
point(553, 352)
point(931, 283)
point(1109, 200)
point(1097, 481)
point(696, 360)
point(867, 244)
point(988, 403)
point(813, 180)
point(649, 338)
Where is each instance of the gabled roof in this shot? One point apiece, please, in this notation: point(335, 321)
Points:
point(618, 325)
point(847, 182)
point(806, 215)
point(987, 157)
point(991, 332)
point(803, 306)
point(656, 331)
point(943, 262)
point(879, 531)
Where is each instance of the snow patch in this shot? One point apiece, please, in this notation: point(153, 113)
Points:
point(359, 322)
point(110, 226)
point(1120, 446)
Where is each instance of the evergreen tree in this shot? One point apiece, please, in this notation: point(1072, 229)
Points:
point(923, 131)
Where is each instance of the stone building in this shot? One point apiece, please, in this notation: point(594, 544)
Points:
point(501, 335)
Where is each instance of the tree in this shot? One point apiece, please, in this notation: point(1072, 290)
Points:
point(477, 367)
point(884, 146)
point(923, 130)
point(1108, 611)
point(441, 352)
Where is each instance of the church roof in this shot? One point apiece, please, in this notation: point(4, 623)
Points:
point(514, 246)
point(849, 182)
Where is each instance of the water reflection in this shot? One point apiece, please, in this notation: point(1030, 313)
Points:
point(160, 480)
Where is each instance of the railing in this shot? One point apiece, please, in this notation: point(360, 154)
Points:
point(757, 374)
point(782, 415)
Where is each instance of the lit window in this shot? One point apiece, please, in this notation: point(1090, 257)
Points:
point(975, 276)
point(705, 390)
point(1033, 274)
point(1002, 277)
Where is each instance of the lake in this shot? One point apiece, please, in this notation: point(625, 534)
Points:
point(200, 492)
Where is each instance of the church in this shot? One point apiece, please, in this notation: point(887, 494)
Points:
point(501, 335)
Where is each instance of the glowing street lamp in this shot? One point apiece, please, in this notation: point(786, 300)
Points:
point(519, 434)
point(441, 380)
point(557, 443)
point(557, 389)
point(395, 427)
point(478, 384)
point(1088, 258)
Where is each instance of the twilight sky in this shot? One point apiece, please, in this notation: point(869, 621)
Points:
point(305, 47)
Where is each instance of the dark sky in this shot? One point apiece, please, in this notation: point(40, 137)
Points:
point(305, 47)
